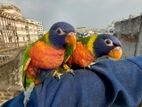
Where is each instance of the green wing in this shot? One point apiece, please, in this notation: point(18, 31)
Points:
point(26, 59)
point(26, 54)
point(24, 62)
point(90, 43)
point(68, 53)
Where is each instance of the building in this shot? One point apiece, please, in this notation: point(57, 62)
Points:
point(40, 28)
point(110, 28)
point(35, 28)
point(130, 33)
point(15, 30)
point(84, 31)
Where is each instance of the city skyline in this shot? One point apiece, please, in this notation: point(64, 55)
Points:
point(88, 13)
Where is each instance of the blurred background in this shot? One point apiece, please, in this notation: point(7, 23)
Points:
point(23, 22)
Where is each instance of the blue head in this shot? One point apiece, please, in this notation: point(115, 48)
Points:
point(109, 45)
point(62, 33)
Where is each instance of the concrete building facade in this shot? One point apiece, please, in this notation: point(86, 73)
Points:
point(130, 33)
point(15, 30)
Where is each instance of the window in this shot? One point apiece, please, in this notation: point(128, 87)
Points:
point(23, 38)
point(10, 38)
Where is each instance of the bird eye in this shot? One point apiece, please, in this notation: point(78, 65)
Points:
point(108, 42)
point(60, 31)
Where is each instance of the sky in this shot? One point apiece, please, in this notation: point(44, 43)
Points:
point(79, 13)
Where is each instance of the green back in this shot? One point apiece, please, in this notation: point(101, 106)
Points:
point(88, 41)
point(84, 40)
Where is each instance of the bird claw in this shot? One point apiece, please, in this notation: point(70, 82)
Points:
point(89, 66)
point(71, 71)
point(57, 75)
point(67, 69)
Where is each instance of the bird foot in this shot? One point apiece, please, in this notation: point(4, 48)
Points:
point(71, 71)
point(57, 74)
point(67, 69)
point(89, 66)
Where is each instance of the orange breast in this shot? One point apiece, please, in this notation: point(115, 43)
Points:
point(82, 56)
point(45, 56)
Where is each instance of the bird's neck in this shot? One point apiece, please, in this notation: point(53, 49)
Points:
point(90, 44)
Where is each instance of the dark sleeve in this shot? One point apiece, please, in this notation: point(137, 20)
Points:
point(105, 84)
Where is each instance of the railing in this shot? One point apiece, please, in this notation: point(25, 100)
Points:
point(4, 59)
point(10, 50)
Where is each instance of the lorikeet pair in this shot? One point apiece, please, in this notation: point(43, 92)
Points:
point(58, 50)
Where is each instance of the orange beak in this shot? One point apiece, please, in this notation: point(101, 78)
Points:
point(115, 53)
point(71, 39)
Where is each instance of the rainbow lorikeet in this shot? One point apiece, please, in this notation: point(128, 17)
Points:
point(49, 52)
point(88, 49)
point(108, 45)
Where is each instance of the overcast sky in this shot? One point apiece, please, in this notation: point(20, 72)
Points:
point(88, 13)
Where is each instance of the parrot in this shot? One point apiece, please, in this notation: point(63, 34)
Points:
point(89, 49)
point(50, 52)
point(108, 45)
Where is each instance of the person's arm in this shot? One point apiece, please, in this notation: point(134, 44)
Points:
point(105, 84)
point(122, 80)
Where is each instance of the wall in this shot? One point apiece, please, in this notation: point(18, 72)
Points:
point(8, 93)
point(130, 33)
point(10, 76)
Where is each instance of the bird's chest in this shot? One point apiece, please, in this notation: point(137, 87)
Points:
point(45, 56)
point(82, 56)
